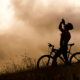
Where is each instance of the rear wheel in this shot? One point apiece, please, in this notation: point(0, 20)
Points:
point(44, 61)
point(75, 58)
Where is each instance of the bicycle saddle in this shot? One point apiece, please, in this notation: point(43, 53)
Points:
point(71, 44)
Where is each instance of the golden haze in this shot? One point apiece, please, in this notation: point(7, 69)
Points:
point(28, 25)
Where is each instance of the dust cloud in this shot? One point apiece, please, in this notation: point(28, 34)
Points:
point(34, 23)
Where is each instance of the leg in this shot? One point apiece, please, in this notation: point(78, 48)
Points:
point(65, 57)
point(55, 57)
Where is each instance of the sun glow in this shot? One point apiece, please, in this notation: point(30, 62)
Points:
point(45, 2)
point(5, 15)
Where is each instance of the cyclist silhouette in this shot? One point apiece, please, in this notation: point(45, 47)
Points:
point(65, 37)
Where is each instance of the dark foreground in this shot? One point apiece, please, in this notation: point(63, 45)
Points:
point(61, 72)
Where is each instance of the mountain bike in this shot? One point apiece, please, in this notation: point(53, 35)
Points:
point(46, 60)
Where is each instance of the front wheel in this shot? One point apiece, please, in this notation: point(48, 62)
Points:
point(75, 58)
point(44, 61)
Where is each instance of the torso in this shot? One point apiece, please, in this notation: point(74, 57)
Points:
point(65, 37)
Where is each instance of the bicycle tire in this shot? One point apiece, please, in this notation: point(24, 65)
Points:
point(40, 64)
point(75, 58)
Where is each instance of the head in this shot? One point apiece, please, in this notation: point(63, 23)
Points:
point(68, 27)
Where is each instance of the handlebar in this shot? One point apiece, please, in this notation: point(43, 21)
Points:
point(50, 45)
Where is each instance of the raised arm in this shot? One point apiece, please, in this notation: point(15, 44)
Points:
point(60, 25)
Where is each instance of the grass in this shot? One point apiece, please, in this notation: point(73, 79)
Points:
point(28, 71)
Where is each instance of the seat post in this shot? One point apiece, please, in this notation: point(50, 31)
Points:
point(69, 51)
point(69, 48)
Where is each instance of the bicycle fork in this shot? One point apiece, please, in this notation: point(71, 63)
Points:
point(49, 59)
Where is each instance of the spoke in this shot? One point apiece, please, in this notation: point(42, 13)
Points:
point(75, 58)
point(45, 61)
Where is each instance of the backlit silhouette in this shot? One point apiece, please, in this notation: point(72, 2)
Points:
point(65, 37)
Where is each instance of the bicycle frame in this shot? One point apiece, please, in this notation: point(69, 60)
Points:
point(49, 57)
point(54, 50)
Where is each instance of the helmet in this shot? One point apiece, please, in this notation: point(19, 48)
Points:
point(70, 26)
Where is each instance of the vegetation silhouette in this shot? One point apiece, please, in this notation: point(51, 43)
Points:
point(60, 72)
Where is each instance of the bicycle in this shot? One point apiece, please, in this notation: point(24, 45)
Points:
point(46, 60)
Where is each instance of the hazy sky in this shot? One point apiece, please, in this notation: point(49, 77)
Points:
point(28, 25)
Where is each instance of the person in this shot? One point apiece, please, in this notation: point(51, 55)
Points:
point(65, 37)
